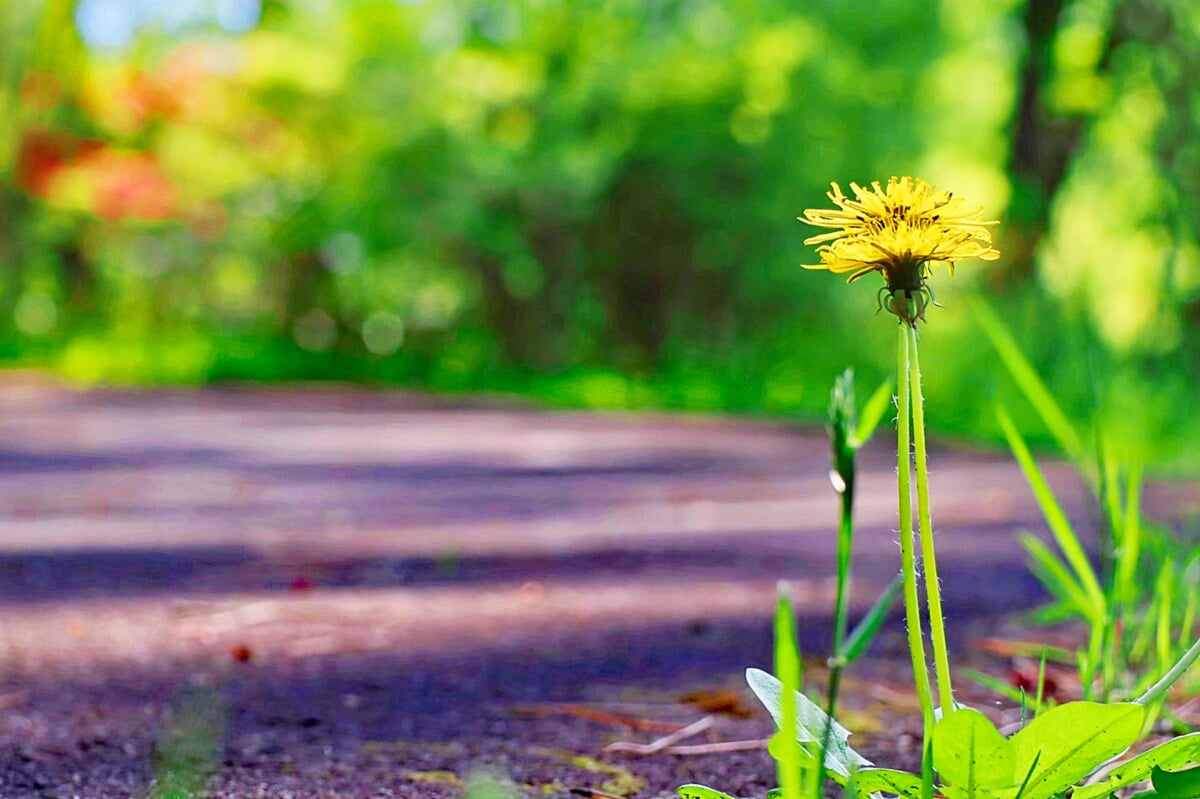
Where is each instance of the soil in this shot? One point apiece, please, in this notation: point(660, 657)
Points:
point(319, 592)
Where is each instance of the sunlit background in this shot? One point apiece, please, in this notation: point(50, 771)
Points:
point(592, 203)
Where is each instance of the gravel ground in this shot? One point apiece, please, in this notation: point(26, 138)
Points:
point(335, 593)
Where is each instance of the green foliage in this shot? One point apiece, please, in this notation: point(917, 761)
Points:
point(970, 753)
point(581, 203)
point(1079, 580)
point(1183, 784)
point(964, 756)
point(1045, 758)
point(1068, 742)
point(1027, 379)
point(885, 780)
point(1136, 608)
point(1177, 753)
point(791, 710)
point(872, 414)
point(486, 785)
point(693, 791)
point(811, 722)
point(188, 750)
point(864, 632)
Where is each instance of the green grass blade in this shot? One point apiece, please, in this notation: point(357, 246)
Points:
point(1165, 600)
point(1129, 541)
point(787, 666)
point(995, 684)
point(1041, 686)
point(1054, 575)
point(1189, 618)
point(1028, 775)
point(1027, 379)
point(1110, 487)
point(872, 413)
point(1056, 519)
point(864, 632)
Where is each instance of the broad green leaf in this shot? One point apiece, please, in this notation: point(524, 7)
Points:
point(840, 759)
point(872, 413)
point(865, 631)
point(1177, 753)
point(969, 752)
point(886, 780)
point(1183, 784)
point(1071, 740)
point(1056, 519)
point(693, 791)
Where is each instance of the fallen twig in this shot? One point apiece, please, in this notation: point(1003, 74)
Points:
point(717, 748)
point(664, 742)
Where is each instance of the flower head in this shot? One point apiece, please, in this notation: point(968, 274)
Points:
point(901, 231)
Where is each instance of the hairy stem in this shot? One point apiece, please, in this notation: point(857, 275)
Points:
point(933, 590)
point(908, 565)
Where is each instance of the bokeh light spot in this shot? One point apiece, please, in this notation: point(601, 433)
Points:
point(315, 331)
point(383, 333)
point(35, 314)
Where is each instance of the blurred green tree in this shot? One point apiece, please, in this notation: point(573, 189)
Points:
point(589, 201)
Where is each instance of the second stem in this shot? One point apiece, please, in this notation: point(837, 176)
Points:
point(933, 590)
point(908, 561)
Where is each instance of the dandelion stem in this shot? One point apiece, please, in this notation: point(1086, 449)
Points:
point(933, 590)
point(908, 566)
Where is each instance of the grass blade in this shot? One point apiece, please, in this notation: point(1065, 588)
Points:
point(1041, 686)
point(872, 413)
point(1054, 575)
point(1130, 541)
point(865, 631)
point(1027, 379)
point(787, 666)
point(1001, 687)
point(1056, 519)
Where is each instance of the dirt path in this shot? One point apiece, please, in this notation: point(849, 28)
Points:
point(381, 592)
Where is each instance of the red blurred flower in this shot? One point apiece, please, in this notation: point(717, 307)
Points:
point(41, 154)
point(90, 175)
point(1026, 680)
point(130, 186)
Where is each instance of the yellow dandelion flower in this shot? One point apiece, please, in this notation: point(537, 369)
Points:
point(901, 231)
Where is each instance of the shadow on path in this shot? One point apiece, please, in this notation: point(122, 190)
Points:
point(60, 575)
